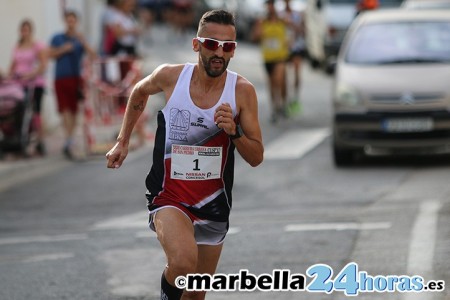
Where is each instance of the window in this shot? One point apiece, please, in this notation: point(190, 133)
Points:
point(400, 43)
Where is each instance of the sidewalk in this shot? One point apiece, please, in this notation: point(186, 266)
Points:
point(15, 169)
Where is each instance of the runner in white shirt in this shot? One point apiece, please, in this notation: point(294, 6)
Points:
point(209, 112)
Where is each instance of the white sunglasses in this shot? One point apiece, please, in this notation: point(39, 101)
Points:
point(213, 45)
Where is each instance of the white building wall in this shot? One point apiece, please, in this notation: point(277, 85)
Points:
point(47, 19)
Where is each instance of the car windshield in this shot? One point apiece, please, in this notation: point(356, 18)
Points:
point(406, 42)
point(390, 3)
point(426, 4)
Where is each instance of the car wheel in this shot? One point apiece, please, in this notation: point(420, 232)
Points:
point(343, 157)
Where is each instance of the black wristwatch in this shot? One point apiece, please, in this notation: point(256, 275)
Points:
point(238, 133)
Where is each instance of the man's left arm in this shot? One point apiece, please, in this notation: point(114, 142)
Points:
point(89, 50)
point(249, 145)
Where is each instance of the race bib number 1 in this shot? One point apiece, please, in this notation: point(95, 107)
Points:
point(196, 162)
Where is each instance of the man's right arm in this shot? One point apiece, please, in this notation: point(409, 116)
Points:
point(150, 85)
point(57, 48)
point(136, 104)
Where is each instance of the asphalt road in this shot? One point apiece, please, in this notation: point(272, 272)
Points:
point(78, 231)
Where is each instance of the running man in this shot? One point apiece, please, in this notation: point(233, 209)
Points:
point(296, 31)
point(271, 33)
point(209, 112)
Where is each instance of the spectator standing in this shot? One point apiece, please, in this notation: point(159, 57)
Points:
point(296, 36)
point(271, 32)
point(181, 17)
point(68, 48)
point(125, 28)
point(126, 31)
point(108, 37)
point(28, 65)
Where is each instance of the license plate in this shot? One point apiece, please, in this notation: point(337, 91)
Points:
point(408, 125)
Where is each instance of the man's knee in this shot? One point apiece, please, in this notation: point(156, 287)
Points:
point(183, 262)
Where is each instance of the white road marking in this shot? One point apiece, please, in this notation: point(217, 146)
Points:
point(48, 257)
point(337, 226)
point(295, 144)
point(421, 247)
point(145, 234)
point(134, 273)
point(25, 171)
point(43, 239)
point(136, 220)
point(150, 234)
point(130, 221)
point(233, 230)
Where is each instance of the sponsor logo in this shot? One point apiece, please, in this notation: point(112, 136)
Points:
point(179, 124)
point(407, 98)
point(175, 173)
point(199, 123)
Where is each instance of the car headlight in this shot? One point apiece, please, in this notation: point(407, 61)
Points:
point(347, 96)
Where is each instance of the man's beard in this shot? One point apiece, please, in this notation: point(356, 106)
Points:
point(209, 70)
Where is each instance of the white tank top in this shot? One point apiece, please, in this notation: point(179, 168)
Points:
point(188, 124)
point(193, 159)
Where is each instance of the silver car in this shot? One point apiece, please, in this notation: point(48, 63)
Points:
point(426, 4)
point(392, 85)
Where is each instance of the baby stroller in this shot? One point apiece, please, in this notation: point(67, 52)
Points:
point(16, 113)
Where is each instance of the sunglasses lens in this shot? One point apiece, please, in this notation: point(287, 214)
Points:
point(228, 47)
point(211, 44)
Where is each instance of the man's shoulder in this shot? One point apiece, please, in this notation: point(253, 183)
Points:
point(243, 83)
point(169, 70)
point(171, 67)
point(59, 35)
point(244, 88)
point(57, 39)
point(166, 75)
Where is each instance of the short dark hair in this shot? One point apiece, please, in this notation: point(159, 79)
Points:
point(70, 13)
point(218, 16)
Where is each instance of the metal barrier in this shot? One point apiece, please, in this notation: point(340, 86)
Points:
point(108, 84)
